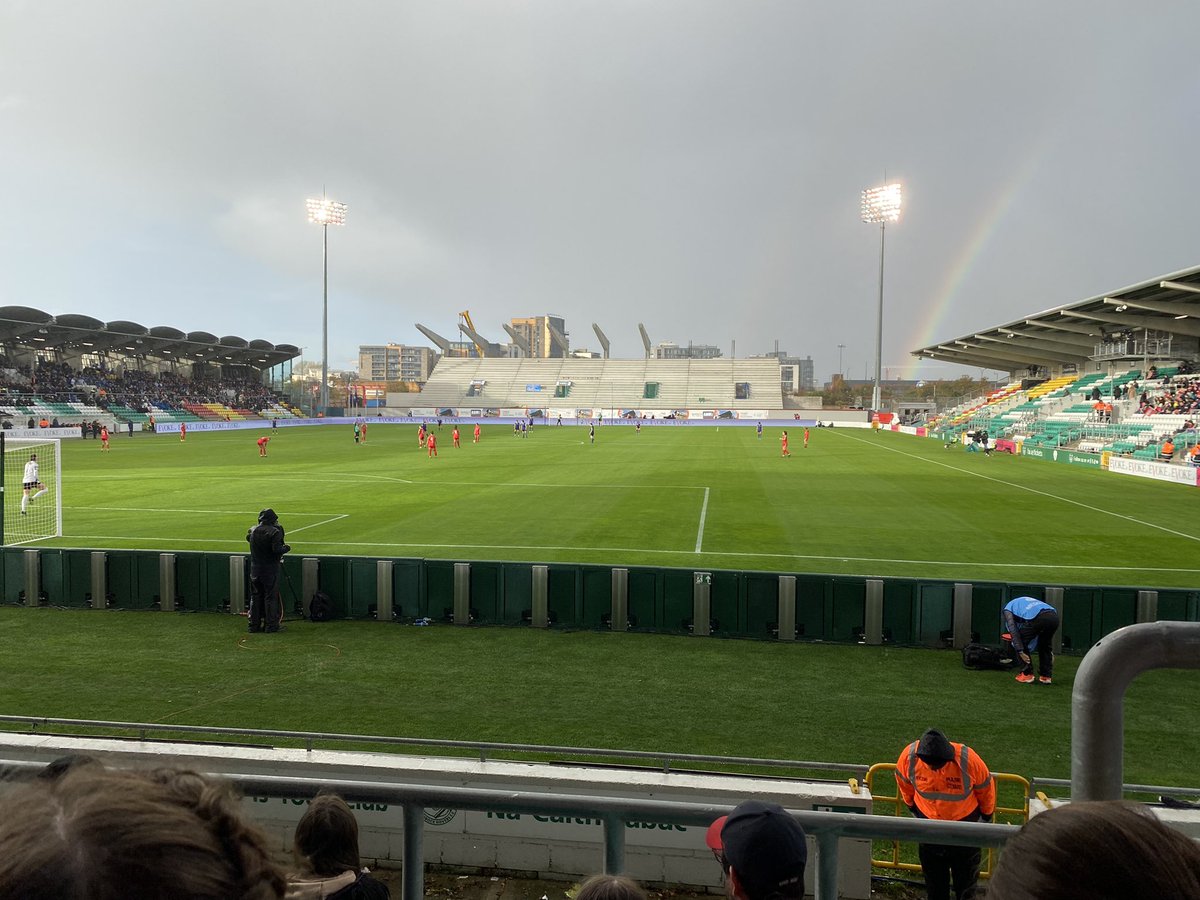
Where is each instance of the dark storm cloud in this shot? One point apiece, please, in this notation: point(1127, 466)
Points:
point(692, 165)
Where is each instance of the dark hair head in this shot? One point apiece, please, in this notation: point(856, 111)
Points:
point(1097, 849)
point(100, 834)
point(326, 841)
point(610, 887)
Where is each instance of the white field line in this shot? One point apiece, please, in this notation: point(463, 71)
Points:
point(316, 524)
point(709, 554)
point(703, 515)
point(1027, 489)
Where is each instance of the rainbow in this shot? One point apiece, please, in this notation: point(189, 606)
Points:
point(928, 328)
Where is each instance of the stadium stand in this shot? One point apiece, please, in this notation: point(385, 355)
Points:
point(604, 383)
point(58, 395)
point(1098, 412)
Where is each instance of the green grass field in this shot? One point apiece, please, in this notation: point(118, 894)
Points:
point(659, 693)
point(854, 502)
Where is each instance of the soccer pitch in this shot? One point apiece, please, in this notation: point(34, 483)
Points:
point(854, 502)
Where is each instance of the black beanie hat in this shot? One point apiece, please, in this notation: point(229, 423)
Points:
point(934, 747)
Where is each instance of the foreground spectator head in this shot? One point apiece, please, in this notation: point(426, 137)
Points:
point(610, 887)
point(1097, 849)
point(762, 850)
point(94, 834)
point(326, 841)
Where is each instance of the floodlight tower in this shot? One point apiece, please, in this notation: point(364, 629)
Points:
point(325, 212)
point(880, 205)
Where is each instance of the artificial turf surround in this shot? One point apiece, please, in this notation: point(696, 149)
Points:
point(628, 499)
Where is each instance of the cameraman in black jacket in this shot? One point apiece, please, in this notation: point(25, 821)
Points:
point(266, 550)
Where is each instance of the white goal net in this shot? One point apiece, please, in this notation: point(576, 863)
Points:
point(31, 486)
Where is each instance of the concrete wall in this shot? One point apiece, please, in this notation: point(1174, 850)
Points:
point(550, 846)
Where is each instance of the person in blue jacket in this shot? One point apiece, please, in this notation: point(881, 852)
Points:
point(1032, 625)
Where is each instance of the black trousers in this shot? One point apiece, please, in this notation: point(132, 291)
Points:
point(1043, 626)
point(943, 864)
point(265, 608)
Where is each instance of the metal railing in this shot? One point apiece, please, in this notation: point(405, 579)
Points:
point(310, 739)
point(825, 827)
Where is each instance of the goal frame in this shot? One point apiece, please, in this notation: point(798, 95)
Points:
point(10, 489)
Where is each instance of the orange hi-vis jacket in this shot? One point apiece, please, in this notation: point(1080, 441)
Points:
point(958, 790)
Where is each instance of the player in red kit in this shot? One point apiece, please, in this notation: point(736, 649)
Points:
point(103, 437)
point(421, 435)
point(783, 440)
point(455, 436)
point(182, 432)
point(477, 432)
point(806, 437)
point(431, 441)
point(262, 445)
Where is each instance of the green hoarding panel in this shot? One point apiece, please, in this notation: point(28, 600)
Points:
point(678, 593)
point(439, 587)
point(645, 598)
point(132, 579)
point(596, 582)
point(333, 577)
point(408, 597)
point(564, 601)
point(813, 598)
point(77, 570)
point(760, 614)
point(216, 581)
point(1173, 606)
point(724, 601)
point(291, 584)
point(1118, 608)
point(900, 605)
point(1079, 622)
point(13, 575)
point(190, 577)
point(487, 592)
point(935, 611)
point(517, 605)
point(364, 588)
point(987, 604)
point(51, 576)
point(847, 606)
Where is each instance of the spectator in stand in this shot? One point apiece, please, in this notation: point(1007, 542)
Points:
point(762, 851)
point(326, 848)
point(1194, 455)
point(610, 887)
point(158, 835)
point(1096, 849)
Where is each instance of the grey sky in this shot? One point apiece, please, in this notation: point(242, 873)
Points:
point(692, 165)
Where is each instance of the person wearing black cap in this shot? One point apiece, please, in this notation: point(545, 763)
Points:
point(762, 851)
point(266, 551)
point(938, 779)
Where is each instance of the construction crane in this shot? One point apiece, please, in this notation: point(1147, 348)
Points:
point(465, 316)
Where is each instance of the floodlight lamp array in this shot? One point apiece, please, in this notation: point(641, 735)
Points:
point(324, 211)
point(881, 204)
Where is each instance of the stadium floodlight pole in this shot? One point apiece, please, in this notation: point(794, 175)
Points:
point(325, 212)
point(880, 205)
